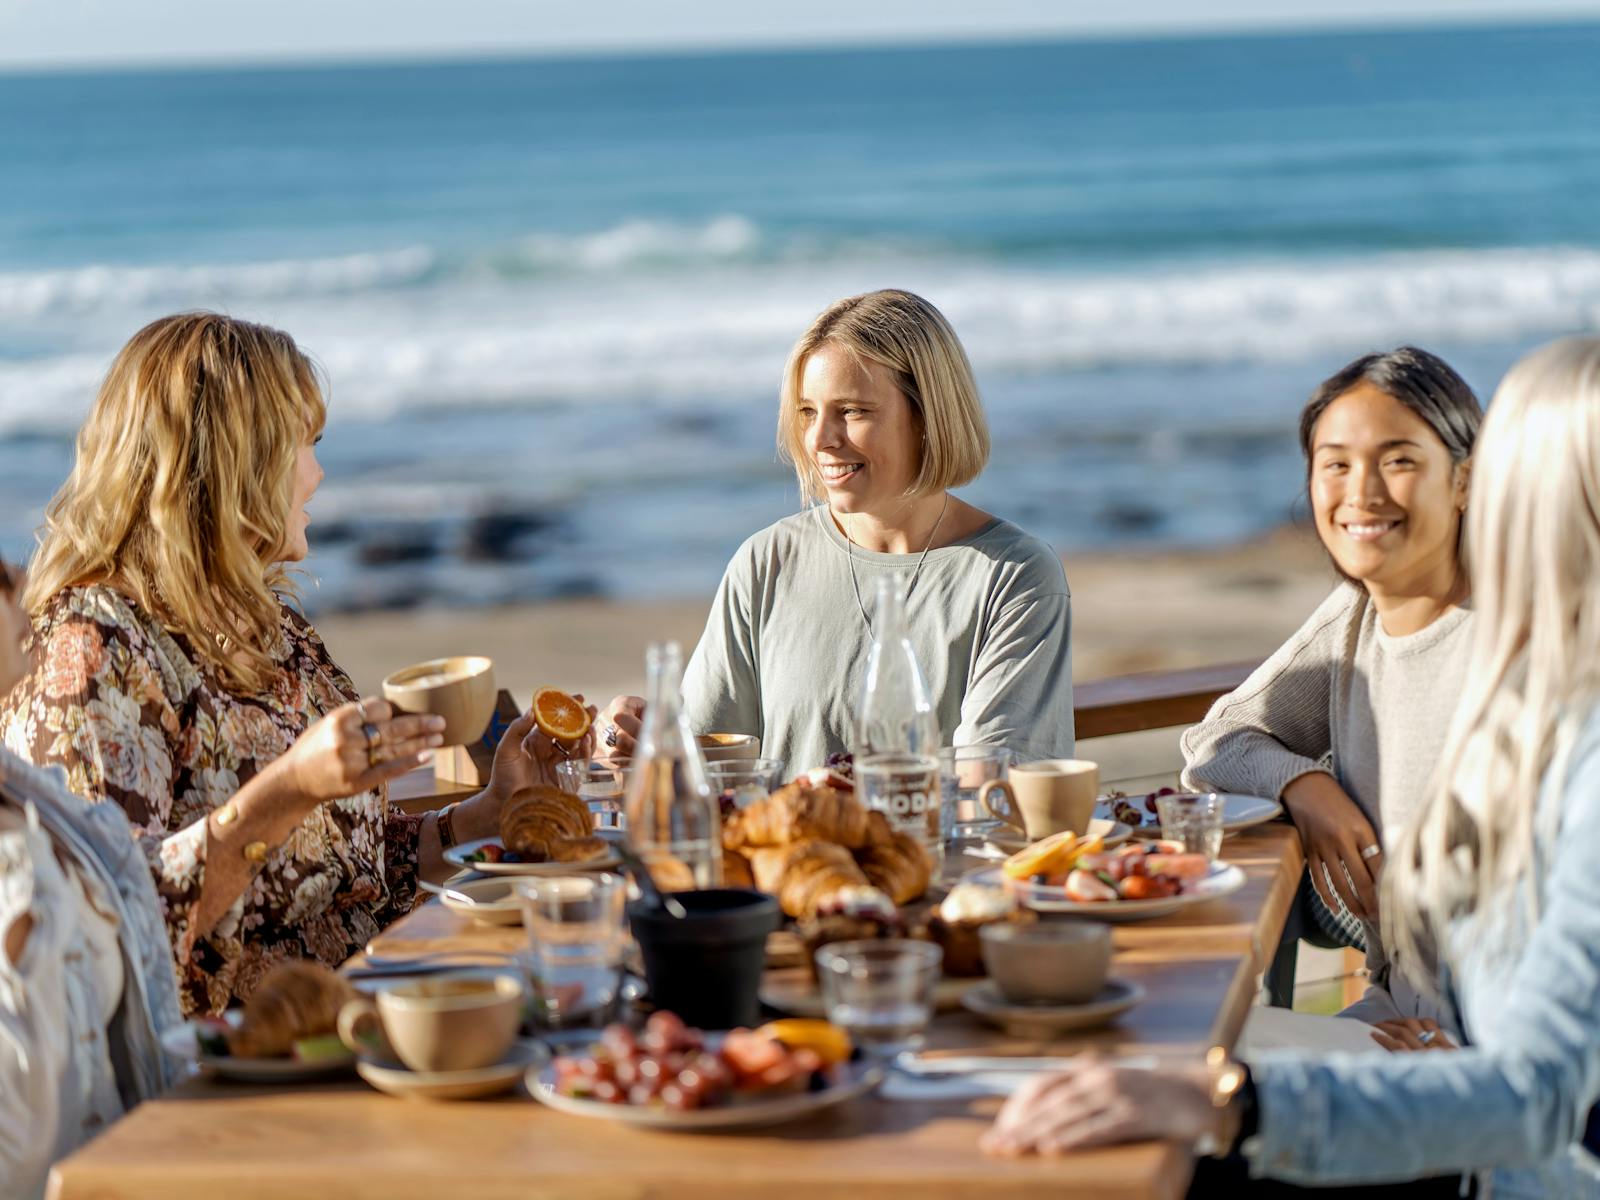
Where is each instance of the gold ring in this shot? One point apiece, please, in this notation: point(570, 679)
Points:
point(374, 738)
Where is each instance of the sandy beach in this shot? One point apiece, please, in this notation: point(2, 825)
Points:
point(1144, 611)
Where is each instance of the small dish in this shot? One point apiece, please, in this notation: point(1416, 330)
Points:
point(393, 1079)
point(988, 1004)
point(456, 856)
point(494, 902)
point(183, 1042)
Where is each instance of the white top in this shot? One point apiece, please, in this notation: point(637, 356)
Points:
point(784, 651)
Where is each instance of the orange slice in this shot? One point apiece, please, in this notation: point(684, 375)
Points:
point(1051, 855)
point(830, 1043)
point(558, 715)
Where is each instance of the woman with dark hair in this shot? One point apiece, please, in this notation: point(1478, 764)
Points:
point(1344, 723)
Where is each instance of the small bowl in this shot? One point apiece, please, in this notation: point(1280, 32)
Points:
point(460, 689)
point(494, 901)
point(727, 747)
point(1047, 962)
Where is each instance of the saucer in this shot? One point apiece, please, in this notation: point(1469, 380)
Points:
point(396, 1080)
point(986, 1002)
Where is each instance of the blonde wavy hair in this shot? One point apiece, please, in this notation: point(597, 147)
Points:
point(911, 337)
point(183, 483)
point(1534, 669)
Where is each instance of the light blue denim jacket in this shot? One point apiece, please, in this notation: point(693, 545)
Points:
point(1512, 1104)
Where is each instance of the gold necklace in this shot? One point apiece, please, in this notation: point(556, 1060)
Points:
point(855, 586)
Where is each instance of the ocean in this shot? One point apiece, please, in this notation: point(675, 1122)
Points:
point(553, 298)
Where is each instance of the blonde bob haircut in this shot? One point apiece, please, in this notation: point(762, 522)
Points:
point(183, 482)
point(910, 337)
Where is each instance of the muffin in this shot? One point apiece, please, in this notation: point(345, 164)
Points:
point(854, 914)
point(955, 924)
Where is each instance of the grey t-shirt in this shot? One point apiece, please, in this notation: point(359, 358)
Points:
point(784, 651)
point(1343, 696)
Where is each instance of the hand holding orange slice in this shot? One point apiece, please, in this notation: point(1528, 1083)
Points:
point(1053, 855)
point(559, 715)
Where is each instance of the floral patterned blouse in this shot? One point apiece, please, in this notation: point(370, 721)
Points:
point(135, 717)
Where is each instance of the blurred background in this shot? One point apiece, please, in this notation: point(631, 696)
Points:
point(552, 263)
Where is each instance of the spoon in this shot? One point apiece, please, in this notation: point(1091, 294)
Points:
point(451, 893)
point(653, 896)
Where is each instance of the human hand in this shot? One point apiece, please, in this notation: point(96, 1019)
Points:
point(526, 756)
point(1342, 849)
point(358, 746)
point(1411, 1033)
point(1096, 1103)
point(620, 722)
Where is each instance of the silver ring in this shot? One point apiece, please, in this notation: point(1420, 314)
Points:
point(1371, 851)
point(374, 738)
point(611, 735)
point(1425, 1036)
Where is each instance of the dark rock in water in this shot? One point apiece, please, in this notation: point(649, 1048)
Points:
point(331, 533)
point(501, 536)
point(1131, 518)
point(396, 546)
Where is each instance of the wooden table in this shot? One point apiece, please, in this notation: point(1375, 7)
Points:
point(1200, 969)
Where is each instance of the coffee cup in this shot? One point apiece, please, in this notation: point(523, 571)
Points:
point(1047, 962)
point(1042, 798)
point(446, 1023)
point(460, 689)
point(728, 747)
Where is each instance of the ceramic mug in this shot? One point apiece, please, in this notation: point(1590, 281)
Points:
point(447, 1023)
point(461, 690)
point(1042, 798)
point(728, 747)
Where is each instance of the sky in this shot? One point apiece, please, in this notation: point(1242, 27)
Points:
point(47, 33)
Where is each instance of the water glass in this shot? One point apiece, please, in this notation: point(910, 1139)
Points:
point(597, 782)
point(881, 991)
point(1194, 820)
point(741, 782)
point(962, 771)
point(905, 788)
point(577, 938)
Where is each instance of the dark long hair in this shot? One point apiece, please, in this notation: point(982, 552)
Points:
point(1423, 383)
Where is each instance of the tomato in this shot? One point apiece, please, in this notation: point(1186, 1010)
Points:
point(749, 1054)
point(1148, 887)
point(491, 853)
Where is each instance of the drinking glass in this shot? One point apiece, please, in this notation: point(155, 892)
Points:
point(1194, 820)
point(740, 782)
point(905, 788)
point(576, 940)
point(881, 991)
point(962, 771)
point(597, 782)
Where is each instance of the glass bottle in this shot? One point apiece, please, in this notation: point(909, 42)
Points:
point(674, 822)
point(897, 731)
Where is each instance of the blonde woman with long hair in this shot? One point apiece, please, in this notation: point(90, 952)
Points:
point(172, 677)
point(1494, 881)
point(880, 415)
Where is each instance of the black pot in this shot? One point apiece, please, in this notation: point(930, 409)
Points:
point(707, 966)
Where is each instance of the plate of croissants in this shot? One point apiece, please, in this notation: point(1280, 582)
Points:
point(543, 830)
point(286, 1031)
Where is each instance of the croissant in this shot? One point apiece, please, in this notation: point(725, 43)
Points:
point(574, 850)
point(769, 864)
point(537, 817)
point(296, 1000)
point(816, 877)
point(901, 867)
point(736, 872)
point(798, 812)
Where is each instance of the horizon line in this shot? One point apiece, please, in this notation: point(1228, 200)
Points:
point(487, 55)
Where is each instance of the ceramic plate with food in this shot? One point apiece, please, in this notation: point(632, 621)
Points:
point(674, 1077)
point(1111, 834)
point(203, 1041)
point(1139, 811)
point(489, 855)
point(1052, 895)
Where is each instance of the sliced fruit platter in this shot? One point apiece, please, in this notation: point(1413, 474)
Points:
point(1068, 874)
point(673, 1077)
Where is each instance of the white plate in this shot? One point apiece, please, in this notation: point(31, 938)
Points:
point(989, 1004)
point(456, 856)
point(1224, 880)
point(181, 1041)
point(1010, 840)
point(1238, 812)
point(851, 1079)
point(494, 902)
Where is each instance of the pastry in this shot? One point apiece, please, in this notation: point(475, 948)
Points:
point(900, 867)
point(296, 1000)
point(805, 875)
point(536, 817)
point(850, 915)
point(736, 871)
point(955, 924)
point(798, 812)
point(577, 850)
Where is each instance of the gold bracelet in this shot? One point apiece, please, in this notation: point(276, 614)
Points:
point(447, 830)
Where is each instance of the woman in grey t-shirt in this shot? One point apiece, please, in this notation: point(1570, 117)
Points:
point(881, 417)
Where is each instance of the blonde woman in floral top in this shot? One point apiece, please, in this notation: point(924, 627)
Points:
point(171, 678)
